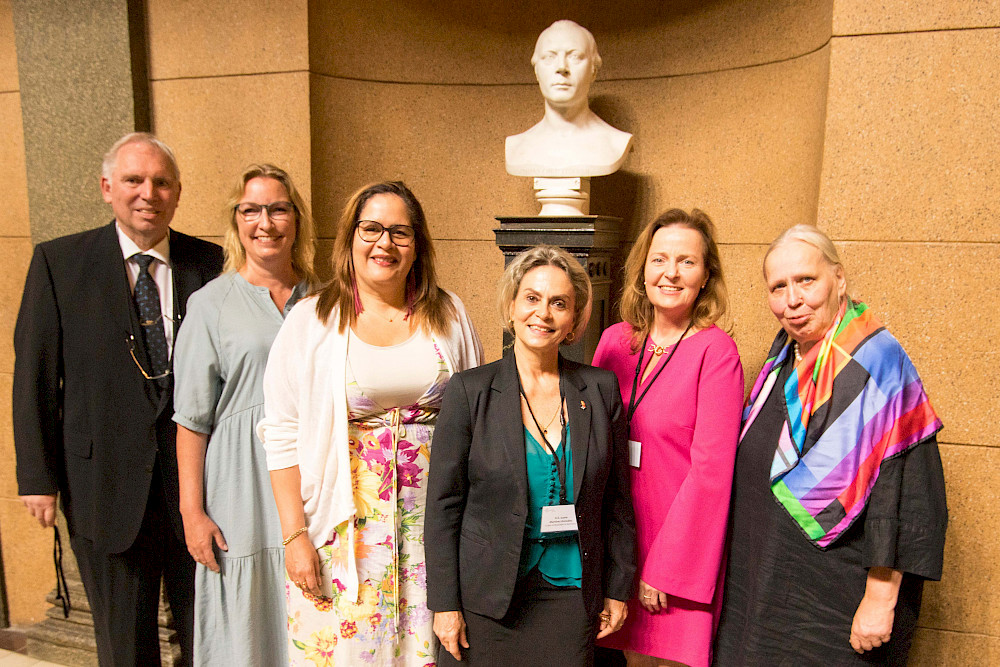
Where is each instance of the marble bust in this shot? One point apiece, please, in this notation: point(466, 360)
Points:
point(570, 140)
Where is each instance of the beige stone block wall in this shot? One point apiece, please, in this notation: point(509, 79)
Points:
point(194, 39)
point(481, 43)
point(27, 562)
point(8, 50)
point(908, 151)
point(858, 17)
point(470, 269)
point(908, 190)
point(219, 125)
point(229, 87)
point(24, 544)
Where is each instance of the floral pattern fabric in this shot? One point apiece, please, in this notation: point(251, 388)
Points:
point(390, 623)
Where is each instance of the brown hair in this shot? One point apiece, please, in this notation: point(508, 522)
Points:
point(304, 248)
point(433, 310)
point(711, 303)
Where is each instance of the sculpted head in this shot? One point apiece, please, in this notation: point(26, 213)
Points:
point(565, 61)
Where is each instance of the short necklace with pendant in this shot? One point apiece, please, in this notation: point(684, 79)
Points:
point(390, 320)
point(543, 429)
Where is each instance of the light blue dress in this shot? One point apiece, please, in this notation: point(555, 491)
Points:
point(219, 359)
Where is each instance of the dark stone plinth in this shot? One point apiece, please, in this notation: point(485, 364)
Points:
point(594, 240)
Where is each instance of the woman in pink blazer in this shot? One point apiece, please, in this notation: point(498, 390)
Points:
point(682, 385)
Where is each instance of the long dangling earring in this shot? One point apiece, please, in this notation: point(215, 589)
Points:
point(411, 293)
point(358, 307)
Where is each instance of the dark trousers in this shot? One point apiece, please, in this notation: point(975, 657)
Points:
point(124, 590)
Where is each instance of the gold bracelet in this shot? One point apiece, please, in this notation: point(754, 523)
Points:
point(291, 537)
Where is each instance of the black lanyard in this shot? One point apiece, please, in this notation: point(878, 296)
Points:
point(560, 462)
point(633, 404)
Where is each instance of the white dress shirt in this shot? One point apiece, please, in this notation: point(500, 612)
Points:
point(161, 272)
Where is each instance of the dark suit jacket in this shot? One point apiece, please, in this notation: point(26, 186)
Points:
point(477, 497)
point(86, 422)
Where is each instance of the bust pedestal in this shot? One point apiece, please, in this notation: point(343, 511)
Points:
point(594, 240)
point(562, 197)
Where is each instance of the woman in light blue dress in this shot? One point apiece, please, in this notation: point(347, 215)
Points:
point(230, 520)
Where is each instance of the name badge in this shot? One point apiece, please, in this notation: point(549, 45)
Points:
point(634, 453)
point(558, 518)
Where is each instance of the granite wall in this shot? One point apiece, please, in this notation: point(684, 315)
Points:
point(877, 121)
point(909, 191)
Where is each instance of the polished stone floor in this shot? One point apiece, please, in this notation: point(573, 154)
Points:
point(12, 659)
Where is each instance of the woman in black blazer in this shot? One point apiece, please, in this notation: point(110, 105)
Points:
point(529, 535)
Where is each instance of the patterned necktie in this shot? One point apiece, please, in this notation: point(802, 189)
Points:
point(147, 298)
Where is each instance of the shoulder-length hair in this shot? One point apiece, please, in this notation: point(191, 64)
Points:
point(433, 310)
point(712, 302)
point(546, 255)
point(304, 247)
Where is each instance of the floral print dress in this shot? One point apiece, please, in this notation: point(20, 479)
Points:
point(390, 623)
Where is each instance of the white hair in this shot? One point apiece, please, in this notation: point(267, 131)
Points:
point(110, 161)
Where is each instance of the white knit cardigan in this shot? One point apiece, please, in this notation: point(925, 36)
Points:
point(305, 413)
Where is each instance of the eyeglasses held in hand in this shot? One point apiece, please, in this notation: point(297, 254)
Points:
point(371, 231)
point(279, 210)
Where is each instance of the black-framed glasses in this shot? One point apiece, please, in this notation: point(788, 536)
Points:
point(279, 210)
point(130, 339)
point(371, 231)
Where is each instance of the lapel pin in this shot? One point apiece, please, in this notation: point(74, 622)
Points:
point(583, 406)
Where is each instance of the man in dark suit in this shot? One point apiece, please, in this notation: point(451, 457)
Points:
point(93, 398)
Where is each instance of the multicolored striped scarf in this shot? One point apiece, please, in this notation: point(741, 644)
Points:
point(854, 401)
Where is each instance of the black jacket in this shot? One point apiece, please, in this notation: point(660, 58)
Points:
point(477, 497)
point(87, 424)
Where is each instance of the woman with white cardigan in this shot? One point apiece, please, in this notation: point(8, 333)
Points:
point(351, 392)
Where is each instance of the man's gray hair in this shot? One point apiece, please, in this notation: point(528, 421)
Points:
point(111, 157)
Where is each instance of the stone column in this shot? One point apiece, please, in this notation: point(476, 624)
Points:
point(84, 82)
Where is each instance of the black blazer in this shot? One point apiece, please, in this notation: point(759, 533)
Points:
point(86, 422)
point(477, 497)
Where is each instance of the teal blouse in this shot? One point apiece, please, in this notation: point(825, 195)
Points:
point(557, 555)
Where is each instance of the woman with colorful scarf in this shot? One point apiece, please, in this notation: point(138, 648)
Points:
point(838, 511)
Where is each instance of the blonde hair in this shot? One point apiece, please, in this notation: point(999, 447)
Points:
point(304, 247)
point(712, 301)
point(545, 255)
point(433, 310)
